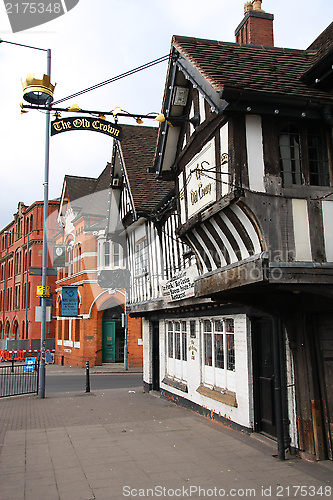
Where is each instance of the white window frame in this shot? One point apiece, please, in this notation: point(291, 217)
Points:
point(176, 349)
point(115, 255)
point(141, 257)
point(214, 376)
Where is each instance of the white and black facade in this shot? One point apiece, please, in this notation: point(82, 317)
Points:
point(239, 324)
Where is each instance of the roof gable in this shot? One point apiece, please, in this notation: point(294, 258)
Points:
point(138, 149)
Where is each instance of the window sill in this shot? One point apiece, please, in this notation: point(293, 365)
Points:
point(226, 397)
point(175, 384)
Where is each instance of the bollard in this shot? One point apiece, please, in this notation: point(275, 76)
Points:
point(12, 363)
point(87, 377)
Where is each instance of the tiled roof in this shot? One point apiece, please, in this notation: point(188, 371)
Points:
point(98, 200)
point(77, 187)
point(250, 67)
point(88, 194)
point(138, 149)
point(323, 43)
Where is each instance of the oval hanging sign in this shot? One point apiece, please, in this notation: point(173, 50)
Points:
point(86, 123)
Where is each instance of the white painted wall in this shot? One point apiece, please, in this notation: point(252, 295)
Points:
point(327, 210)
point(255, 153)
point(147, 351)
point(301, 230)
point(224, 148)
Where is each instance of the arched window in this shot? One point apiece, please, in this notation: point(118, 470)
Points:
point(18, 262)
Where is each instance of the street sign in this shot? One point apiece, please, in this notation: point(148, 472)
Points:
point(39, 313)
point(43, 291)
point(69, 303)
point(37, 271)
point(29, 365)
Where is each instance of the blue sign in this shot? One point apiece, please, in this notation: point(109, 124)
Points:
point(69, 304)
point(29, 365)
point(49, 358)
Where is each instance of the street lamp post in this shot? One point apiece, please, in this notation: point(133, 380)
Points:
point(41, 96)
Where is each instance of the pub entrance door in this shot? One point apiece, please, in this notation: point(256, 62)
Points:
point(263, 376)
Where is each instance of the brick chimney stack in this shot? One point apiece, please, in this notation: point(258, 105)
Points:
point(256, 27)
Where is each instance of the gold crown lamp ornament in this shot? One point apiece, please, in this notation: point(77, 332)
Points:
point(38, 92)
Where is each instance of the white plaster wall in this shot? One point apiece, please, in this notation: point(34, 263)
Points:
point(327, 210)
point(255, 153)
point(301, 230)
point(224, 148)
point(140, 232)
point(202, 110)
point(147, 352)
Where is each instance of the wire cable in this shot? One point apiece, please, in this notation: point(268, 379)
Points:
point(115, 78)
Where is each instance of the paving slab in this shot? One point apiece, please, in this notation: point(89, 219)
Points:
point(111, 444)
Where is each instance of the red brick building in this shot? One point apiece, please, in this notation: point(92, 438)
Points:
point(18, 299)
point(97, 333)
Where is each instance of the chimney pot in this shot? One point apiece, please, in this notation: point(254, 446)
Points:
point(257, 5)
point(247, 7)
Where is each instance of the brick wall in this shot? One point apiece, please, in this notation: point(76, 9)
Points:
point(256, 29)
point(135, 351)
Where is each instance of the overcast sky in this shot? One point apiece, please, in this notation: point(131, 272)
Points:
point(95, 41)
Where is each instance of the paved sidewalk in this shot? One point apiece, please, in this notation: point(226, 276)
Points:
point(121, 443)
point(53, 369)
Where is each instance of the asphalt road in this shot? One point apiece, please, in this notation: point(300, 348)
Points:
point(76, 383)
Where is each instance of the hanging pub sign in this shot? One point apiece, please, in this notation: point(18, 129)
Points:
point(69, 303)
point(86, 123)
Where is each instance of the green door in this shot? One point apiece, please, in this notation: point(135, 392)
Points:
point(108, 342)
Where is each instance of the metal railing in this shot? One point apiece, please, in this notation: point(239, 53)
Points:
point(18, 379)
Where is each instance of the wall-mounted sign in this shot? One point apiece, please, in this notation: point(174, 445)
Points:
point(69, 303)
point(86, 123)
point(200, 184)
point(181, 286)
point(59, 256)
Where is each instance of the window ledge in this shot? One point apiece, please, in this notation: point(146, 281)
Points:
point(175, 384)
point(226, 397)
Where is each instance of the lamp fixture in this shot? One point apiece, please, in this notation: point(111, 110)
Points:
point(116, 110)
point(38, 92)
point(74, 108)
point(174, 120)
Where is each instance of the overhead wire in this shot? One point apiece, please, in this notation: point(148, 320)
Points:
point(115, 78)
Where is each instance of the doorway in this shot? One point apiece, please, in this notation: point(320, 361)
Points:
point(113, 335)
point(263, 376)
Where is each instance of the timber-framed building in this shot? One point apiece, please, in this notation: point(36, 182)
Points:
point(240, 324)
